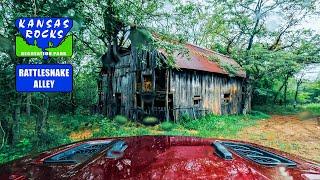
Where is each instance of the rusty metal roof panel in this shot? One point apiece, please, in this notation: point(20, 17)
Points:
point(199, 59)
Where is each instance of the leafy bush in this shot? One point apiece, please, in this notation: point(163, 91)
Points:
point(167, 126)
point(149, 120)
point(185, 118)
point(107, 128)
point(120, 119)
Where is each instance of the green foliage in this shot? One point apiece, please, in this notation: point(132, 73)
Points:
point(150, 120)
point(121, 120)
point(229, 68)
point(279, 110)
point(140, 37)
point(166, 126)
point(185, 118)
point(313, 108)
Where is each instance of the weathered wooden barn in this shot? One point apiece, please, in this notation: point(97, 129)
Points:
point(201, 82)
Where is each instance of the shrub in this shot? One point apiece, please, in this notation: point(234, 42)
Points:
point(149, 120)
point(166, 126)
point(120, 119)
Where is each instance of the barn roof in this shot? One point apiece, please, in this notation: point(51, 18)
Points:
point(201, 59)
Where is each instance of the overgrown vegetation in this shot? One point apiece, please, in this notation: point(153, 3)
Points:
point(67, 128)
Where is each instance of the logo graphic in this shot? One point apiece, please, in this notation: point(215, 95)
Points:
point(44, 37)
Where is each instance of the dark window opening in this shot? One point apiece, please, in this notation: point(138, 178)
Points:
point(196, 100)
point(138, 97)
point(160, 79)
point(226, 97)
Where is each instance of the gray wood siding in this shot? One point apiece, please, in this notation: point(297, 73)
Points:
point(123, 83)
point(186, 84)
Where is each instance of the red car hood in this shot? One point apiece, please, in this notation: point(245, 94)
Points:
point(159, 157)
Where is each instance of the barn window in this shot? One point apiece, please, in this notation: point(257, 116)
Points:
point(196, 100)
point(226, 97)
point(147, 83)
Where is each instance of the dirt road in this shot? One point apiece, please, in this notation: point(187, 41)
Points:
point(288, 133)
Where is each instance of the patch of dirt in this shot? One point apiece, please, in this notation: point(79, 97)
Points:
point(287, 133)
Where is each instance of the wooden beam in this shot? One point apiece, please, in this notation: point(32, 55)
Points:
point(167, 95)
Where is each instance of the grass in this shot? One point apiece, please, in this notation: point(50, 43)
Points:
point(166, 126)
point(222, 126)
point(66, 129)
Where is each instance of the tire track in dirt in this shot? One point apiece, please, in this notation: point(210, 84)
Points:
point(287, 133)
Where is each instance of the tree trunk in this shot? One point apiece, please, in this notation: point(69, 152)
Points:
point(278, 92)
point(16, 120)
point(28, 104)
point(246, 97)
point(296, 93)
point(299, 82)
point(285, 92)
point(4, 129)
point(42, 119)
point(255, 28)
point(73, 103)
